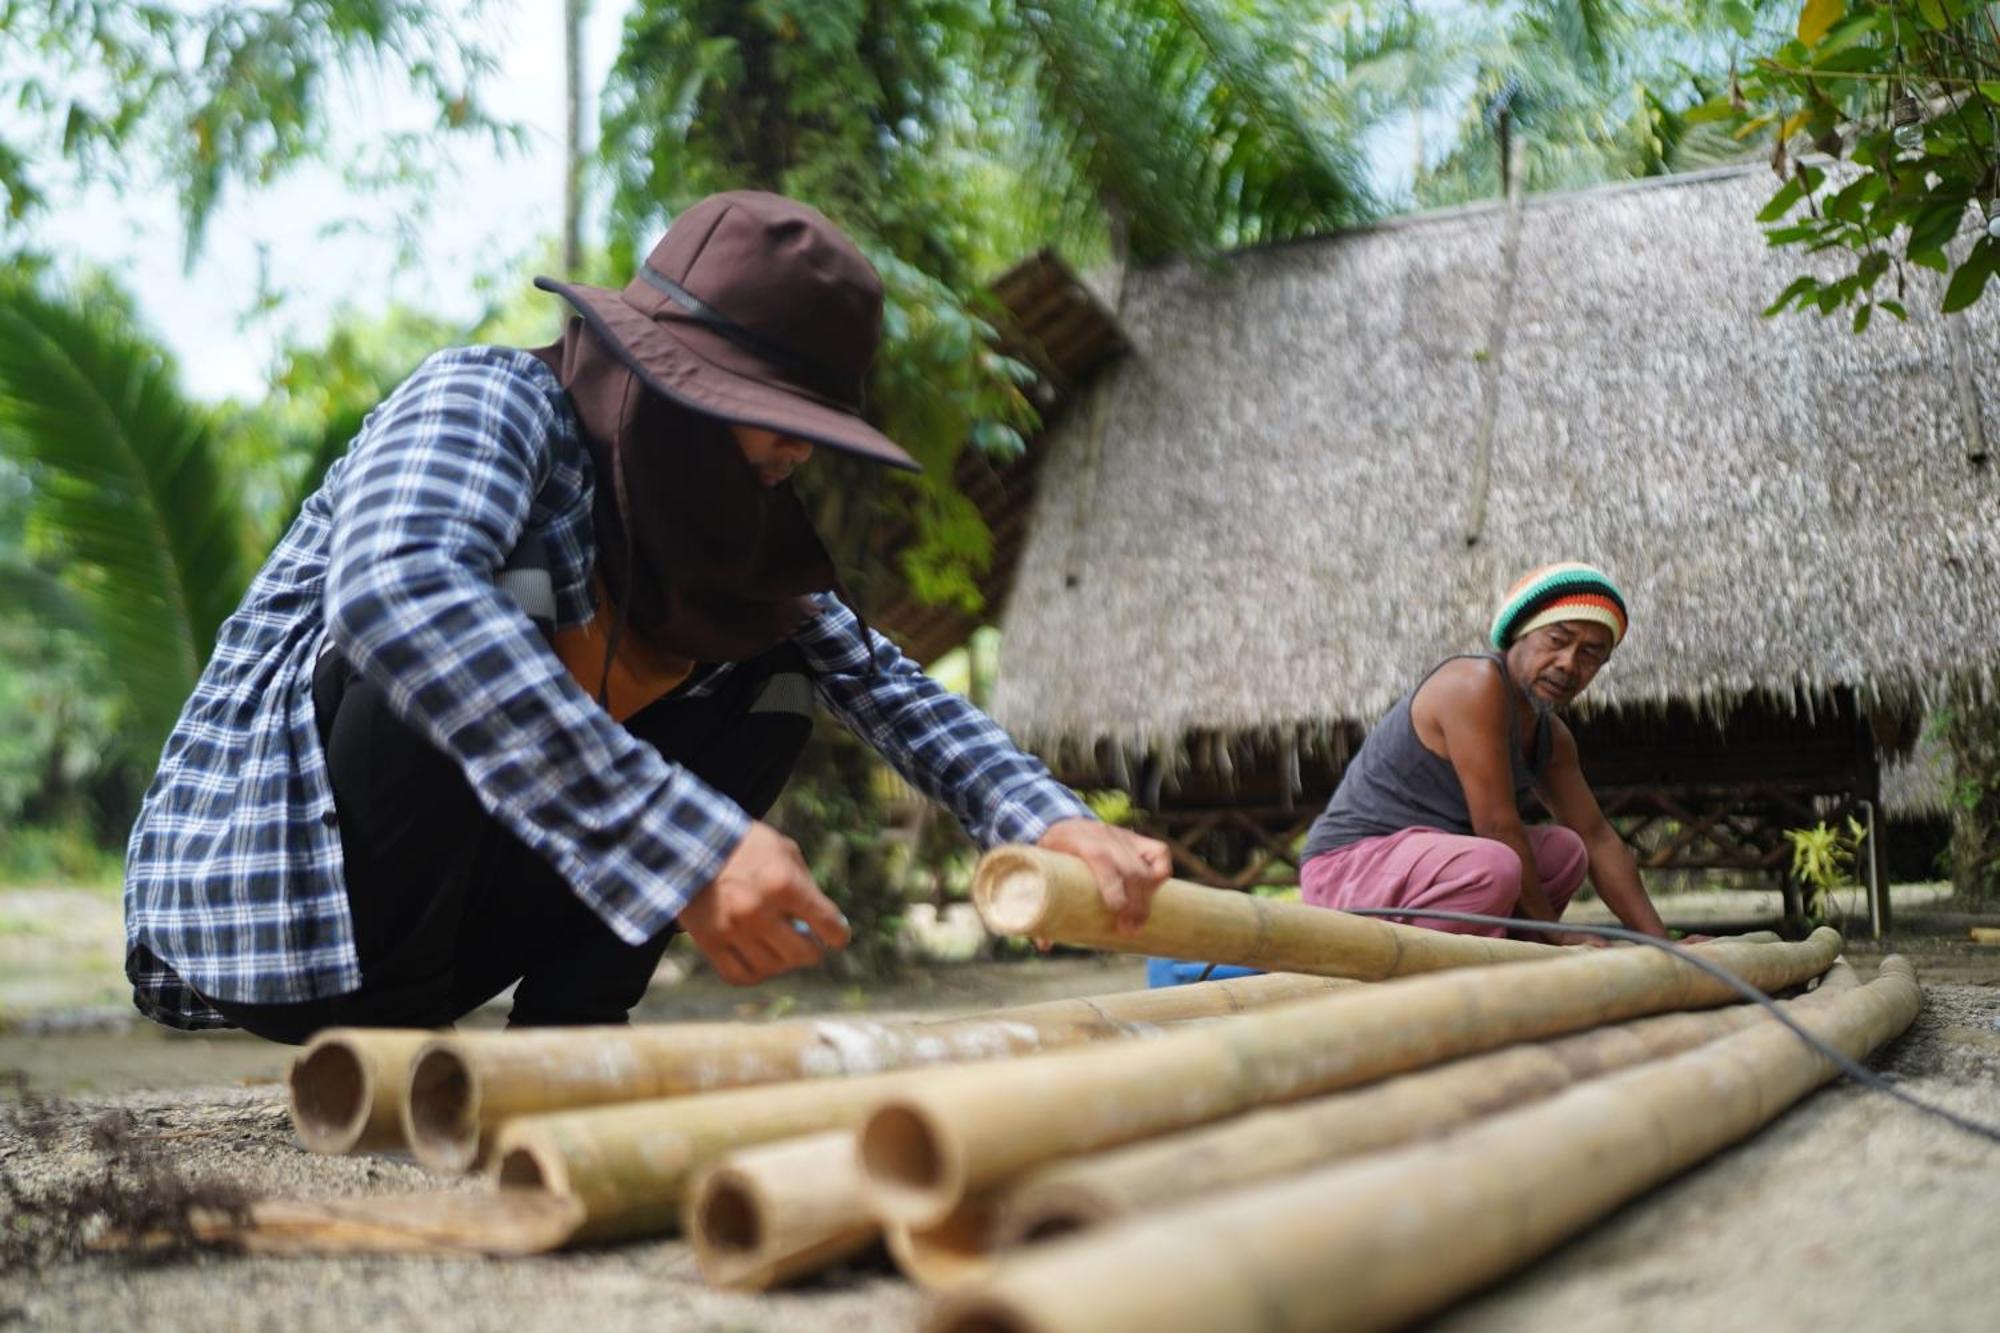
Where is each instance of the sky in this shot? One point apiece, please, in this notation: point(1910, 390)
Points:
point(495, 211)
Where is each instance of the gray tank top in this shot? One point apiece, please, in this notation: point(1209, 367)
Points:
point(1395, 782)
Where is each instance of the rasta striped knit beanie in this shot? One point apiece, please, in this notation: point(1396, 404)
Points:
point(1568, 590)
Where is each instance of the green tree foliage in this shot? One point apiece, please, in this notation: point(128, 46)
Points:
point(130, 500)
point(929, 128)
point(951, 137)
point(1594, 90)
point(321, 391)
point(200, 96)
point(1907, 92)
point(60, 754)
point(1972, 734)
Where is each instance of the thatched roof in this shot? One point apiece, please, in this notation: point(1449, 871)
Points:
point(1255, 525)
point(1050, 319)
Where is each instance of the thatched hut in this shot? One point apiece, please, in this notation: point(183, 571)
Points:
point(1321, 464)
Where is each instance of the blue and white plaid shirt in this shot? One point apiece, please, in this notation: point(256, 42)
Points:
point(233, 882)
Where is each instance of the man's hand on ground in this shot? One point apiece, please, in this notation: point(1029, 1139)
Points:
point(1129, 868)
point(743, 920)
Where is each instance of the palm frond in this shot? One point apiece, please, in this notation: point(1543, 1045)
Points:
point(1181, 118)
point(128, 490)
point(28, 590)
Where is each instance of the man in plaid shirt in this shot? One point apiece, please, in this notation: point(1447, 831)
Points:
point(507, 701)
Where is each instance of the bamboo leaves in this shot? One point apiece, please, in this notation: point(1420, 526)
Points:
point(1817, 17)
point(1904, 90)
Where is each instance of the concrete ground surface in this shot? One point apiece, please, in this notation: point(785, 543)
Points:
point(1850, 1211)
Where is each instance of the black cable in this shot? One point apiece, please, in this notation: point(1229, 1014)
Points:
point(1860, 1073)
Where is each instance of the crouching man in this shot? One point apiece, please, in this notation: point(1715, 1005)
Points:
point(1428, 813)
point(509, 700)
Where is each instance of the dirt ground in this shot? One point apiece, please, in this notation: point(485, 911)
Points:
point(1850, 1211)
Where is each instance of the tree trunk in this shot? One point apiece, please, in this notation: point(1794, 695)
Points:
point(1972, 732)
point(574, 13)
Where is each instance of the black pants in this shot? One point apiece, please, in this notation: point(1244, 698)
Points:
point(450, 908)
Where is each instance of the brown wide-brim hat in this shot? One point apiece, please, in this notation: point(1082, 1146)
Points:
point(754, 309)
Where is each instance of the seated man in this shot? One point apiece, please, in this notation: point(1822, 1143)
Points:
point(1429, 812)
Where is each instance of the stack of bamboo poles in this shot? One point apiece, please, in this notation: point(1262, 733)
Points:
point(1281, 1151)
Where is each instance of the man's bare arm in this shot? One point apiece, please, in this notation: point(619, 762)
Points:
point(1464, 707)
point(1612, 869)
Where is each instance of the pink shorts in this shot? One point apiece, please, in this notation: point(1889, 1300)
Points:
point(1424, 867)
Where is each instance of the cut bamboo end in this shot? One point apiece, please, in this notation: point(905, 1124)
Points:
point(1015, 891)
point(532, 1165)
point(728, 1219)
point(1054, 1210)
point(441, 1109)
point(346, 1088)
point(955, 1253)
point(766, 1215)
point(913, 1167)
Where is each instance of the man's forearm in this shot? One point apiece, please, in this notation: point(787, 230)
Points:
point(1616, 876)
point(1532, 902)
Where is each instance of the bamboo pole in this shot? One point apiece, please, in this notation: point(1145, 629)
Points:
point(460, 1087)
point(1384, 1240)
point(1029, 892)
point(960, 1131)
point(629, 1165)
point(1174, 1004)
point(1077, 1193)
point(765, 1215)
point(768, 1214)
point(347, 1088)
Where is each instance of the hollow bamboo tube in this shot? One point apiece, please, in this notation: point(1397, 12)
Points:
point(629, 1165)
point(960, 1131)
point(954, 1253)
point(461, 1086)
point(768, 1214)
point(1380, 1241)
point(1047, 895)
point(765, 1215)
point(1077, 1193)
point(347, 1088)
